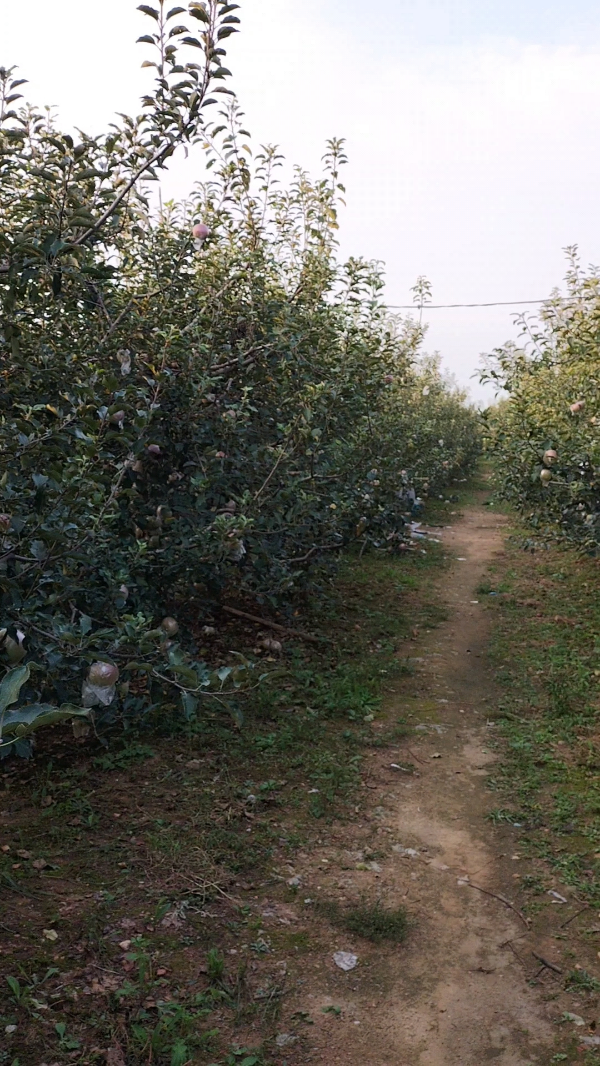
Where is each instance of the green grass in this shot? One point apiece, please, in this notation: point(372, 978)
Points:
point(581, 981)
point(546, 650)
point(371, 921)
point(546, 785)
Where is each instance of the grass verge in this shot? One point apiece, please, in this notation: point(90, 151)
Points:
point(546, 652)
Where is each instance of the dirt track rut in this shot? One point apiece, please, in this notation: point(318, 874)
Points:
point(455, 994)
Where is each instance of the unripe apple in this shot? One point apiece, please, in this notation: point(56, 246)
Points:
point(170, 626)
point(545, 476)
point(389, 379)
point(549, 456)
point(577, 407)
point(219, 455)
point(103, 675)
point(118, 418)
point(153, 450)
point(231, 507)
point(200, 231)
point(5, 521)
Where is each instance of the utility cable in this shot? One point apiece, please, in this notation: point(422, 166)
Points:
point(438, 307)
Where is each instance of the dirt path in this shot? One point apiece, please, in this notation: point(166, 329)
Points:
point(455, 994)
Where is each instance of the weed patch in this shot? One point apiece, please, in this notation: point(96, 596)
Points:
point(372, 921)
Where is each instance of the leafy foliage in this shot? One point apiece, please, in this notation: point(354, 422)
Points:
point(199, 404)
point(546, 434)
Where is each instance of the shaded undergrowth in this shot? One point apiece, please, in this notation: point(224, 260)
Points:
point(131, 875)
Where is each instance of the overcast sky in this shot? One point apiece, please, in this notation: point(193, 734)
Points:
point(472, 128)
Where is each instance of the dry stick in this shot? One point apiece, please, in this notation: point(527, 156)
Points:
point(275, 625)
point(417, 757)
point(317, 548)
point(502, 899)
point(574, 916)
point(202, 885)
point(548, 965)
point(506, 943)
point(514, 951)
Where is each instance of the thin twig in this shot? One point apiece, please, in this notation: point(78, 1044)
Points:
point(203, 885)
point(275, 625)
point(514, 951)
point(284, 453)
point(574, 916)
point(317, 548)
point(502, 899)
point(417, 757)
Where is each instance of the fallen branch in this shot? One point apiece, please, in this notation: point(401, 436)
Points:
point(502, 899)
point(275, 625)
point(548, 965)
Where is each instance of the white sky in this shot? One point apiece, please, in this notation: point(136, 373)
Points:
point(471, 126)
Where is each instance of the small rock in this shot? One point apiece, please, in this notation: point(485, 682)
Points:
point(294, 882)
point(125, 945)
point(285, 1039)
point(575, 1018)
point(344, 960)
point(193, 764)
point(400, 850)
point(590, 1041)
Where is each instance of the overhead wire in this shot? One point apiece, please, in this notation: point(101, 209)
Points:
point(439, 307)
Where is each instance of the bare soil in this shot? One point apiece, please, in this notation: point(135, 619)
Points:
point(457, 992)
